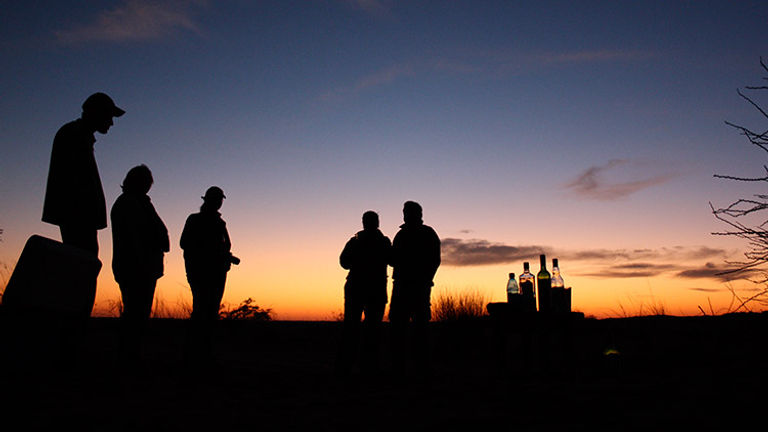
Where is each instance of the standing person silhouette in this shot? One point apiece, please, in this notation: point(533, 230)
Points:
point(74, 197)
point(207, 259)
point(415, 259)
point(74, 201)
point(366, 256)
point(139, 242)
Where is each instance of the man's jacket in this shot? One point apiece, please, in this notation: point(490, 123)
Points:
point(74, 195)
point(415, 254)
point(206, 244)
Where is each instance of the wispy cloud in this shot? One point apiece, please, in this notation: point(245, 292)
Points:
point(373, 7)
point(136, 20)
point(592, 56)
point(379, 78)
point(594, 184)
point(472, 252)
point(708, 290)
point(723, 272)
point(632, 270)
point(470, 61)
point(459, 252)
point(602, 263)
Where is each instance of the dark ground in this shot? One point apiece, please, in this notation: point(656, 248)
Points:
point(643, 373)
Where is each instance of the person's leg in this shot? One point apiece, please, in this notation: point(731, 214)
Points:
point(374, 313)
point(422, 314)
point(137, 296)
point(206, 306)
point(197, 285)
point(73, 328)
point(83, 238)
point(350, 334)
point(399, 317)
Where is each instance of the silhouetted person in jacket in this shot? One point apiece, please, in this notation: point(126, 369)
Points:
point(366, 256)
point(74, 201)
point(139, 242)
point(74, 198)
point(415, 259)
point(207, 259)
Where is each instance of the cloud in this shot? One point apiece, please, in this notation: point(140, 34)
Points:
point(708, 290)
point(712, 271)
point(592, 56)
point(592, 183)
point(614, 263)
point(600, 263)
point(384, 76)
point(470, 62)
point(457, 252)
point(373, 7)
point(136, 20)
point(375, 79)
point(618, 274)
point(709, 270)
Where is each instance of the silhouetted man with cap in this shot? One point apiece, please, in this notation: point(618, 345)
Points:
point(207, 259)
point(415, 259)
point(74, 198)
point(366, 256)
point(74, 201)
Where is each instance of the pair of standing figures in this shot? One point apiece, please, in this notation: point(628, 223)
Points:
point(74, 201)
point(414, 255)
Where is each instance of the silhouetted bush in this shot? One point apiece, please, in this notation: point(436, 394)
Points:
point(246, 311)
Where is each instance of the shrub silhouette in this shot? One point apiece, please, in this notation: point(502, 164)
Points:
point(246, 311)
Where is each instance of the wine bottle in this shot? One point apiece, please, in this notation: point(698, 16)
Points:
point(512, 289)
point(528, 287)
point(558, 288)
point(544, 282)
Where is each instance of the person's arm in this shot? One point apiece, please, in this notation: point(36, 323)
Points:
point(434, 253)
point(187, 234)
point(347, 257)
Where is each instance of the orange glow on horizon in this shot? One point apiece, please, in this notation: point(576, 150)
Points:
point(316, 293)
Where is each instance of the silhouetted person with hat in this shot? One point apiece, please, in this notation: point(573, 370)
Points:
point(207, 259)
point(139, 243)
point(366, 256)
point(74, 198)
point(74, 201)
point(415, 259)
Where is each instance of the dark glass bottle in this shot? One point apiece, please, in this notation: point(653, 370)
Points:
point(544, 282)
point(528, 287)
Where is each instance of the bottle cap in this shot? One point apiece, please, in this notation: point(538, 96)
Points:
point(511, 275)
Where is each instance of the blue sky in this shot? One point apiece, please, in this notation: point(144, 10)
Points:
point(587, 126)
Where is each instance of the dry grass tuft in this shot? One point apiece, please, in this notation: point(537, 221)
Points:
point(458, 306)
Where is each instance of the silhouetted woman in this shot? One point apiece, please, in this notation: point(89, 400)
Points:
point(139, 242)
point(207, 259)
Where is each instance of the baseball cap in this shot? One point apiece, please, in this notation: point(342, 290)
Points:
point(213, 192)
point(102, 102)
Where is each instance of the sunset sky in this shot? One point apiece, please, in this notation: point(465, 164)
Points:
point(590, 133)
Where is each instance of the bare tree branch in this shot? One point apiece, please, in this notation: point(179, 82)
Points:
point(754, 267)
